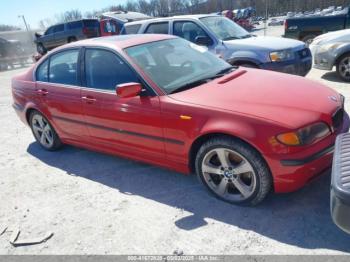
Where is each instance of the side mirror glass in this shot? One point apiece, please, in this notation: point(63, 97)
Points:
point(203, 40)
point(128, 90)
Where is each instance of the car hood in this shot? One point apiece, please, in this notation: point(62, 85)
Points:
point(267, 43)
point(337, 36)
point(291, 101)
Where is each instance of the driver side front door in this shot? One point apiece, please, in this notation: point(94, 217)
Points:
point(126, 125)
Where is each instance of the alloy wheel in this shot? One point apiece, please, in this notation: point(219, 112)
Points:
point(229, 174)
point(344, 67)
point(42, 131)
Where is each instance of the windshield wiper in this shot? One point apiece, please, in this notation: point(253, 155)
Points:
point(191, 85)
point(224, 71)
point(204, 80)
point(230, 38)
point(246, 36)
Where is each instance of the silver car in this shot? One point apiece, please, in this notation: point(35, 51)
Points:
point(333, 49)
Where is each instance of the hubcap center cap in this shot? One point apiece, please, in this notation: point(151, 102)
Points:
point(230, 174)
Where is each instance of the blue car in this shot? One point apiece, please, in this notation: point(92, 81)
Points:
point(231, 42)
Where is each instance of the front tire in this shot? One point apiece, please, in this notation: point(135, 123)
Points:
point(233, 171)
point(343, 67)
point(41, 49)
point(43, 132)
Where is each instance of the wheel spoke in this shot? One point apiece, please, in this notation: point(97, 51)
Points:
point(221, 187)
point(223, 157)
point(37, 128)
point(41, 122)
point(242, 188)
point(43, 139)
point(208, 168)
point(243, 167)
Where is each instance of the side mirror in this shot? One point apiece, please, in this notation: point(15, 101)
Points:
point(128, 90)
point(203, 40)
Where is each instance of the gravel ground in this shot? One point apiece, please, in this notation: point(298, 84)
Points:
point(99, 204)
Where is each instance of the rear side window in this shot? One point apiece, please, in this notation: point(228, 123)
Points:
point(42, 73)
point(158, 28)
point(63, 68)
point(91, 23)
point(105, 70)
point(74, 25)
point(131, 29)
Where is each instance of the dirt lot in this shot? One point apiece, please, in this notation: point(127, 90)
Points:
point(99, 204)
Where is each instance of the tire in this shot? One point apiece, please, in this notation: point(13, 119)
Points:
point(43, 132)
point(248, 65)
point(244, 165)
point(71, 39)
point(41, 49)
point(343, 67)
point(308, 39)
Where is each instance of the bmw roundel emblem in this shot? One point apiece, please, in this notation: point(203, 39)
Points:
point(333, 98)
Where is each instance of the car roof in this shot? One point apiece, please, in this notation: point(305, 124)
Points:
point(118, 42)
point(161, 19)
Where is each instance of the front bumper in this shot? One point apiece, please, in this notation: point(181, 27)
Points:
point(293, 172)
point(301, 65)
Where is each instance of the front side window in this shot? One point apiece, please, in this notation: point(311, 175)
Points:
point(105, 70)
point(224, 28)
point(58, 28)
point(174, 63)
point(42, 73)
point(158, 28)
point(188, 30)
point(49, 31)
point(63, 68)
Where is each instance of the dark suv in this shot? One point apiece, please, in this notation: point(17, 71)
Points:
point(61, 34)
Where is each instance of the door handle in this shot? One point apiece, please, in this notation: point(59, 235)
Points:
point(42, 92)
point(88, 99)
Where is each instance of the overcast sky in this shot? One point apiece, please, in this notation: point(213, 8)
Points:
point(36, 10)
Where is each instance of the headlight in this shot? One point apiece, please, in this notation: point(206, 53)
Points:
point(305, 136)
point(328, 47)
point(280, 56)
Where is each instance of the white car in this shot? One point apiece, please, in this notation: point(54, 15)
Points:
point(333, 49)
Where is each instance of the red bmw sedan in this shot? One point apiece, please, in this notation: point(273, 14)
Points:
point(165, 101)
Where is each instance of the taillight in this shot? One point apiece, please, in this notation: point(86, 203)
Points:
point(85, 31)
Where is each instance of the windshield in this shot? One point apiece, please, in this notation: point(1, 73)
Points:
point(176, 63)
point(224, 28)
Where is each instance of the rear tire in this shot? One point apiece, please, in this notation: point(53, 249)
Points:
point(233, 171)
point(43, 132)
point(71, 39)
point(308, 39)
point(343, 67)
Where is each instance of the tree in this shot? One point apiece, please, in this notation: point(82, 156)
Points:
point(9, 28)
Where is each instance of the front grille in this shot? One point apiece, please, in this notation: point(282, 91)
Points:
point(337, 118)
point(304, 53)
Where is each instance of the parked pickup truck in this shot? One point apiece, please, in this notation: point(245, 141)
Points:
point(340, 186)
point(307, 28)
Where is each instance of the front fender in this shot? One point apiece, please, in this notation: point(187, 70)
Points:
point(343, 49)
point(244, 56)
